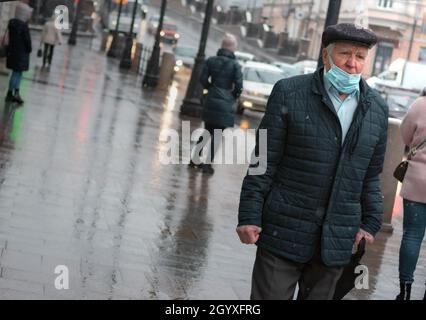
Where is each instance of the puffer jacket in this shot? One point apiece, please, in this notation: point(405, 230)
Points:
point(316, 191)
point(19, 48)
point(413, 131)
point(50, 34)
point(224, 87)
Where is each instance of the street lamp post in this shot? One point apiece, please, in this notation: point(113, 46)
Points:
point(191, 104)
point(151, 76)
point(126, 59)
point(72, 40)
point(114, 48)
point(36, 18)
point(332, 18)
point(410, 47)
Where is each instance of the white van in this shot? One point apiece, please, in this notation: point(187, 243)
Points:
point(413, 78)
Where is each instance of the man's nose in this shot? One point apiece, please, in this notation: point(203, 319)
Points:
point(351, 63)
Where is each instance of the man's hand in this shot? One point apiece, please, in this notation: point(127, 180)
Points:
point(249, 234)
point(369, 239)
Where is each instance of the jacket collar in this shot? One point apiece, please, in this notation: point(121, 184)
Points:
point(226, 53)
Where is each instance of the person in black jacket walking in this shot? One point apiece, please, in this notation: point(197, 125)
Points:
point(19, 49)
point(320, 195)
point(223, 79)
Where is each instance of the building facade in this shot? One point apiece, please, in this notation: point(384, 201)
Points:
point(399, 24)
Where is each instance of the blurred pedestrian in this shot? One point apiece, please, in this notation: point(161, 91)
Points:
point(19, 49)
point(223, 79)
point(413, 131)
point(50, 37)
point(320, 194)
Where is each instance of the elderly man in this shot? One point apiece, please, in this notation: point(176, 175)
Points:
point(320, 195)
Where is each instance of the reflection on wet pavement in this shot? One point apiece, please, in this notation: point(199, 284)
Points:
point(81, 185)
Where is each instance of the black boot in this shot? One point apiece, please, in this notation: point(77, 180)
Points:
point(17, 98)
point(207, 168)
point(405, 291)
point(9, 97)
point(193, 165)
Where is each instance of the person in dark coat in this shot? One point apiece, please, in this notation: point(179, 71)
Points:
point(320, 194)
point(223, 79)
point(19, 49)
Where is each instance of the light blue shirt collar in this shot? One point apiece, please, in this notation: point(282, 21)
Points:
point(345, 109)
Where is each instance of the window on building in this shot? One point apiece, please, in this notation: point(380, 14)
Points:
point(385, 3)
point(422, 55)
point(383, 57)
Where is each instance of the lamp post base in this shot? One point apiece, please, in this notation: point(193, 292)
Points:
point(72, 40)
point(126, 59)
point(153, 69)
point(114, 48)
point(191, 107)
point(150, 80)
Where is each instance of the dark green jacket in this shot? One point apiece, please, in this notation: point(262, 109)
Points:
point(223, 78)
point(316, 191)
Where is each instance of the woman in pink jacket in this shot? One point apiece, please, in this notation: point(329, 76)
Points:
point(50, 36)
point(413, 130)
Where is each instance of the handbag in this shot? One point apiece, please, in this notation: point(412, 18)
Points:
point(401, 169)
point(39, 53)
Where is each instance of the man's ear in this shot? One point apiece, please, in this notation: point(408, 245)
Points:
point(325, 59)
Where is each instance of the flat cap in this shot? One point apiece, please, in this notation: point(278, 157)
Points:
point(349, 32)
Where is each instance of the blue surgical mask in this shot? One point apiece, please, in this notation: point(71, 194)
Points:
point(343, 82)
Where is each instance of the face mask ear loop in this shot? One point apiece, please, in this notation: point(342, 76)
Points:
point(330, 61)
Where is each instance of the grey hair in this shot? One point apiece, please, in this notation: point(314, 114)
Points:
point(330, 48)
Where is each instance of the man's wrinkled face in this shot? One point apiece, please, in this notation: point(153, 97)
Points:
point(350, 57)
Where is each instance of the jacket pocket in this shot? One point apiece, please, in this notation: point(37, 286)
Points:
point(347, 215)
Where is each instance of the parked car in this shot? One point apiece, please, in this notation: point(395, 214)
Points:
point(169, 33)
point(184, 57)
point(305, 66)
point(288, 68)
point(399, 101)
point(243, 57)
point(401, 74)
point(258, 81)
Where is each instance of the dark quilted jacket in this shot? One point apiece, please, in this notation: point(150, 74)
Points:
point(19, 48)
point(316, 191)
point(224, 87)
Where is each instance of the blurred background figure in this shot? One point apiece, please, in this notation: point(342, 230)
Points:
point(19, 49)
point(223, 79)
point(50, 37)
point(413, 130)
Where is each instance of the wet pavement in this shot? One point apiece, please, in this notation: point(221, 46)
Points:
point(81, 185)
